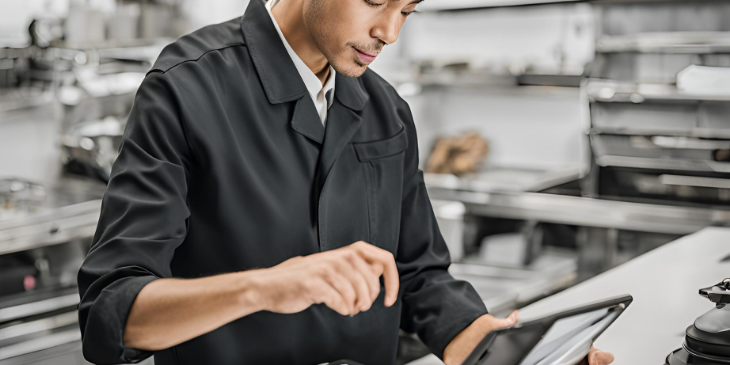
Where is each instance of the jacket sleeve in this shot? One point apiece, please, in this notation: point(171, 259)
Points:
point(143, 220)
point(435, 305)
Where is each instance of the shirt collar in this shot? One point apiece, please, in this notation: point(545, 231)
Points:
point(314, 86)
point(276, 69)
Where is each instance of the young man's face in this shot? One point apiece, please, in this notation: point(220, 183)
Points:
point(351, 32)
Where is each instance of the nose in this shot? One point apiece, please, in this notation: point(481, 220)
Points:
point(388, 27)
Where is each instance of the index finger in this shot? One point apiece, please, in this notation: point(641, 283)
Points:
point(386, 261)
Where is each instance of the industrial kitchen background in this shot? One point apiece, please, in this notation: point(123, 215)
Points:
point(559, 138)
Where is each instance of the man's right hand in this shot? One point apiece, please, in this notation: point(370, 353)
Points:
point(345, 279)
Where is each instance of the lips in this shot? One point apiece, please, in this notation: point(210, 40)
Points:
point(365, 57)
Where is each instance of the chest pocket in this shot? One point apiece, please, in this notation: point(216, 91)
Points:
point(382, 162)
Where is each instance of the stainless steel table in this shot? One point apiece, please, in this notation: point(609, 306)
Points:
point(664, 283)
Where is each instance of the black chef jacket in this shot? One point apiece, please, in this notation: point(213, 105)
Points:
point(220, 170)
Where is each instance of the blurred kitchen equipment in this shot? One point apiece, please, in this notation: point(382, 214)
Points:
point(124, 25)
point(491, 178)
point(84, 26)
point(516, 249)
point(707, 341)
point(703, 80)
point(90, 148)
point(450, 219)
point(658, 102)
point(457, 155)
point(40, 253)
point(17, 275)
point(96, 110)
point(20, 196)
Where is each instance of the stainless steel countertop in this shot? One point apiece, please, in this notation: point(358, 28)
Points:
point(71, 211)
point(588, 212)
point(664, 284)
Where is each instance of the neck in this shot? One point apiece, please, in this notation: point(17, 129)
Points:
point(289, 16)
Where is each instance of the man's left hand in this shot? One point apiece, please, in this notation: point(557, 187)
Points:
point(597, 357)
point(462, 345)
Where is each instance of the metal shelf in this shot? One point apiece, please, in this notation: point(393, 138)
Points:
point(610, 91)
point(663, 164)
point(49, 227)
point(588, 212)
point(691, 133)
point(506, 179)
point(505, 288)
point(39, 307)
point(441, 5)
point(666, 42)
point(40, 344)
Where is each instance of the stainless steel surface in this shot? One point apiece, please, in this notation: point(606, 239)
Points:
point(586, 211)
point(629, 92)
point(657, 105)
point(663, 164)
point(41, 343)
point(24, 99)
point(700, 154)
point(705, 182)
point(38, 307)
point(473, 4)
point(41, 325)
point(505, 288)
point(66, 354)
point(49, 227)
point(507, 179)
point(658, 130)
point(666, 42)
point(450, 219)
point(664, 284)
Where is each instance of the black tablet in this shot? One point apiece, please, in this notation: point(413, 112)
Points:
point(561, 338)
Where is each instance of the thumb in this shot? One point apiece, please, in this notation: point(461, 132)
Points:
point(510, 321)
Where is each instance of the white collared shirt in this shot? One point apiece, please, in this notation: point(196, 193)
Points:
point(321, 95)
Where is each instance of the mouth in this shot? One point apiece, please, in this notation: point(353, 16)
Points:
point(365, 57)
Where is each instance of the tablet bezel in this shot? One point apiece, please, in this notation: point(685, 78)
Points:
point(482, 348)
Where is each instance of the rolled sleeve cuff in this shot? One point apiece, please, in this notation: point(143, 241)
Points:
point(103, 337)
point(437, 342)
point(451, 307)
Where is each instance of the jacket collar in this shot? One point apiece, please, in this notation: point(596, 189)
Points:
point(279, 76)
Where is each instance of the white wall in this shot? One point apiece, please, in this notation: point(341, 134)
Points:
point(16, 15)
point(204, 12)
point(526, 126)
point(554, 38)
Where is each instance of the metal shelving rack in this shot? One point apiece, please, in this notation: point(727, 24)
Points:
point(441, 5)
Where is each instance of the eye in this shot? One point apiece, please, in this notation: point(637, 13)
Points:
point(406, 13)
point(373, 4)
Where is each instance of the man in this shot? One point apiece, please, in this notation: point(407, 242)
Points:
point(266, 181)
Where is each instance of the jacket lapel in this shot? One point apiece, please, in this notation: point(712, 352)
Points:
point(343, 121)
point(306, 120)
point(280, 79)
point(342, 203)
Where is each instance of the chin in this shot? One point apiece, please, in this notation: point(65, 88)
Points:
point(354, 69)
point(344, 61)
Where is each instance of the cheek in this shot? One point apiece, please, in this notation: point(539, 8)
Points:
point(349, 20)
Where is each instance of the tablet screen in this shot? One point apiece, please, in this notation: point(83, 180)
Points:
point(562, 338)
point(569, 339)
point(562, 330)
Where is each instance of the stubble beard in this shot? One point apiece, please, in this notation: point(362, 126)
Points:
point(321, 32)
